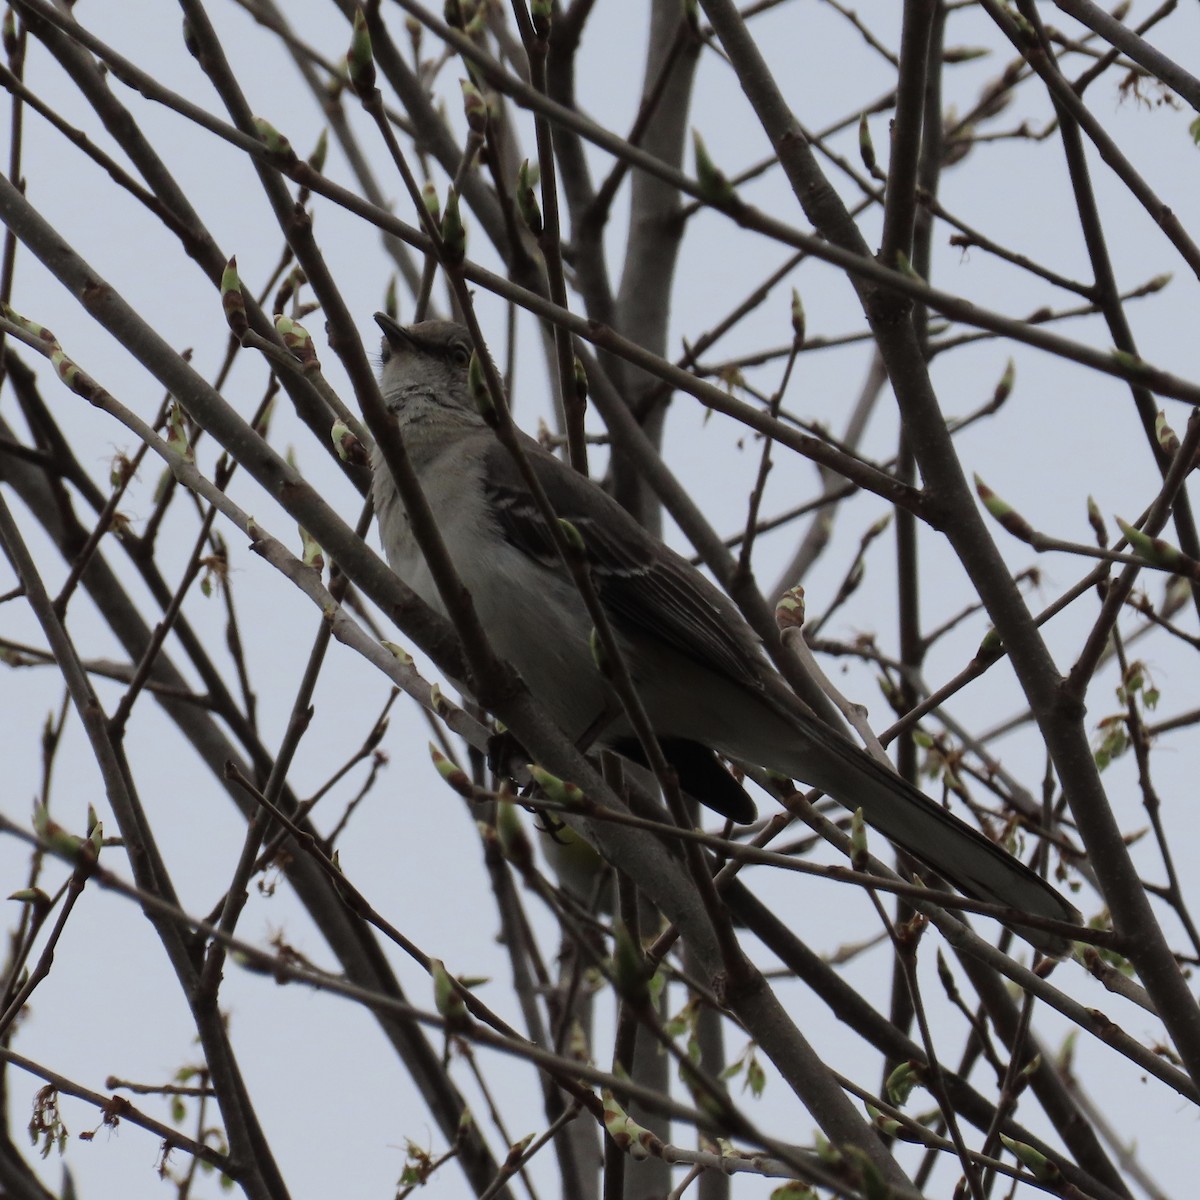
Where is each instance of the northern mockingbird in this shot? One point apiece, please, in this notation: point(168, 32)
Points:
point(701, 675)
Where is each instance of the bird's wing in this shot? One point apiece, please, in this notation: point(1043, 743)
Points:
point(647, 589)
point(651, 591)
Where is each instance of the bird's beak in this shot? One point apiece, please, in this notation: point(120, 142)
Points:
point(398, 337)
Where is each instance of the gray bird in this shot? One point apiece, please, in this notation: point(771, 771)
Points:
point(700, 672)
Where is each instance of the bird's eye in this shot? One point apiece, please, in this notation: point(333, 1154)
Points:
point(460, 354)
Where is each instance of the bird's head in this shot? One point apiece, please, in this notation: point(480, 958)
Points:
point(425, 364)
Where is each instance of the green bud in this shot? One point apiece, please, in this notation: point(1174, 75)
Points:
point(630, 974)
point(297, 341)
point(311, 554)
point(636, 1140)
point(177, 436)
point(581, 382)
point(438, 702)
point(431, 200)
point(886, 1125)
point(904, 265)
point(477, 25)
point(902, 1080)
point(794, 1190)
point(1005, 386)
point(1008, 517)
point(514, 841)
point(558, 790)
point(475, 107)
point(1159, 553)
point(715, 188)
point(962, 54)
point(573, 536)
point(1043, 1169)
point(827, 1152)
point(35, 898)
point(517, 1151)
point(946, 976)
point(10, 39)
point(797, 320)
point(35, 331)
point(1023, 26)
point(1096, 521)
point(858, 841)
point(360, 63)
point(415, 32)
point(95, 836)
point(320, 152)
point(477, 385)
point(277, 145)
point(992, 646)
point(452, 773)
point(577, 1048)
point(873, 1185)
point(398, 652)
point(1166, 436)
point(232, 300)
point(866, 147)
point(1131, 363)
point(349, 448)
point(527, 202)
point(65, 845)
point(1065, 1059)
point(74, 376)
point(616, 1120)
point(454, 234)
point(599, 655)
point(446, 997)
point(789, 612)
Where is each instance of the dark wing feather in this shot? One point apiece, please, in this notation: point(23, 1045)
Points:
point(700, 775)
point(647, 589)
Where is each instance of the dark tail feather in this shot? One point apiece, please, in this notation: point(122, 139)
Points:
point(964, 856)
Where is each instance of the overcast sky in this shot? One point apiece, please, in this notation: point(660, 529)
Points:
point(336, 1105)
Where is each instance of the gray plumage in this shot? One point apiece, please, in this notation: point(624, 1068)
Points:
point(699, 670)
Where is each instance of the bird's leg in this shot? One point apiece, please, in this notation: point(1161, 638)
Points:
point(502, 750)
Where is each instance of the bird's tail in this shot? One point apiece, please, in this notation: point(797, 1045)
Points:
point(970, 861)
